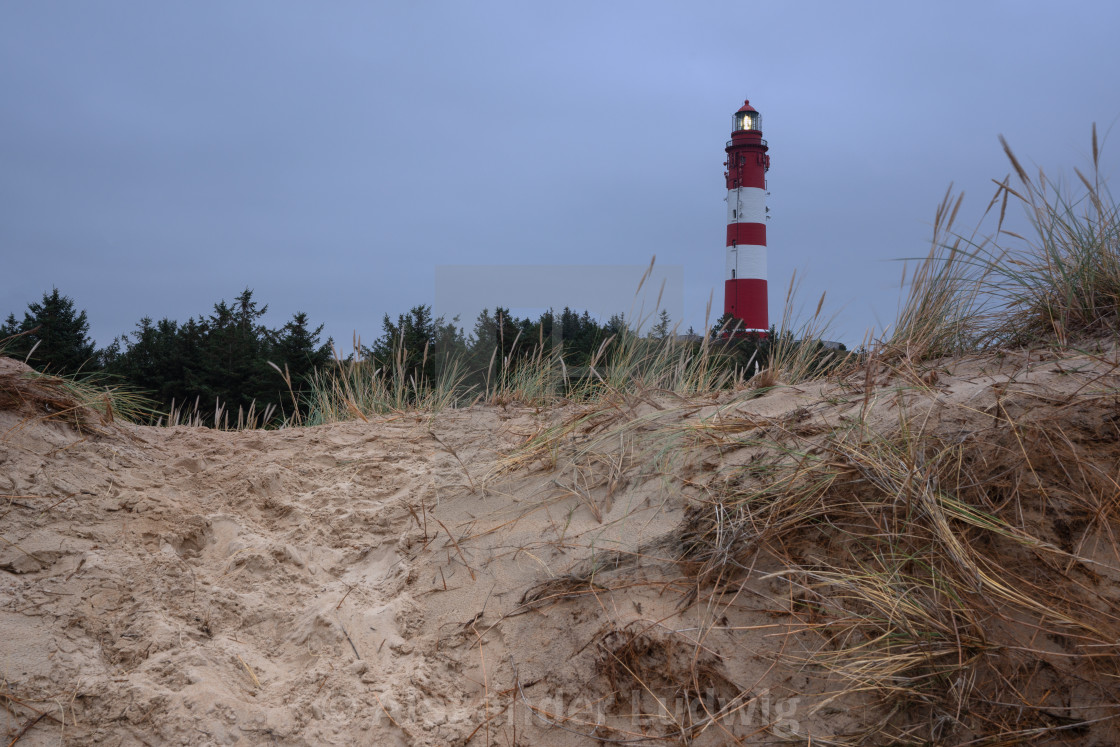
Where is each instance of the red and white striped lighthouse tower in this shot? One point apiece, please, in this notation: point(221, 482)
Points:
point(744, 289)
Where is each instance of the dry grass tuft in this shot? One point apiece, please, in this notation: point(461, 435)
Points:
point(941, 312)
point(1058, 284)
point(797, 353)
point(86, 405)
point(356, 388)
point(1065, 283)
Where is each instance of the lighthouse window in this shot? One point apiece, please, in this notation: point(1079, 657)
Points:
point(747, 121)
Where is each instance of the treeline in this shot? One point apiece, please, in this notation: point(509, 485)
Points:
point(423, 345)
point(230, 361)
point(212, 362)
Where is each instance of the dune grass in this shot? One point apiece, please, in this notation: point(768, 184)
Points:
point(942, 312)
point(626, 368)
point(221, 418)
point(358, 387)
point(1058, 284)
point(797, 352)
point(84, 402)
point(1065, 282)
point(928, 565)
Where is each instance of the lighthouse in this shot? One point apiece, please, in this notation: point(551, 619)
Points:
point(744, 288)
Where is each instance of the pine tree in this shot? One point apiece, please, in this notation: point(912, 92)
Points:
point(661, 330)
point(298, 348)
point(418, 344)
point(449, 346)
point(544, 331)
point(724, 326)
point(569, 327)
point(234, 345)
point(57, 336)
point(153, 359)
point(9, 329)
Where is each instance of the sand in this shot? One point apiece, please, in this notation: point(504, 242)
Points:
point(400, 581)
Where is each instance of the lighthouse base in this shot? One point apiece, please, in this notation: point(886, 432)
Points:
point(745, 299)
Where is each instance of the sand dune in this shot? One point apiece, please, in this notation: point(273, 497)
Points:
point(471, 577)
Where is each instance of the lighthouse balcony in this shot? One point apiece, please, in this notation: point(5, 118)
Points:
point(760, 141)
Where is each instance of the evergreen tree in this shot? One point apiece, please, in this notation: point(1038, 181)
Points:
point(569, 326)
point(581, 336)
point(660, 330)
point(544, 330)
point(483, 347)
point(151, 361)
point(234, 347)
point(298, 348)
point(724, 326)
point(508, 330)
point(57, 336)
point(418, 344)
point(10, 328)
point(449, 346)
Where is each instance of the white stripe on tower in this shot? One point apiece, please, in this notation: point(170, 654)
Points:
point(747, 260)
point(746, 205)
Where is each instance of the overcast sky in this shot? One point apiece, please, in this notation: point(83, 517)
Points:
point(156, 157)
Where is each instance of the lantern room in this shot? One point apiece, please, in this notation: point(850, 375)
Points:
point(747, 118)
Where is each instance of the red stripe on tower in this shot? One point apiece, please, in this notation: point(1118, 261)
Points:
point(744, 290)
